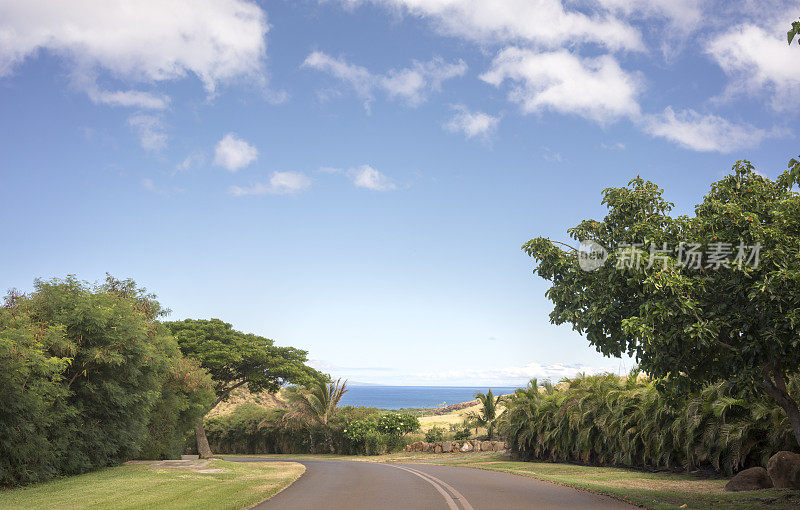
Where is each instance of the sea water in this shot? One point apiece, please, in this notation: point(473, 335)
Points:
point(399, 397)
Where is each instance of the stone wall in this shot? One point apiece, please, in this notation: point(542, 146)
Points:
point(473, 445)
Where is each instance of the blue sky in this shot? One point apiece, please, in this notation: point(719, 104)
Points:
point(355, 177)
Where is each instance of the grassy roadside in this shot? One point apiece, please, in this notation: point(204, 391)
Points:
point(237, 486)
point(656, 491)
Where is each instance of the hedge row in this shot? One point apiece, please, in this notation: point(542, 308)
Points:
point(610, 420)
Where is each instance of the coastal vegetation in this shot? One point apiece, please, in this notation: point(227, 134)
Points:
point(92, 377)
point(730, 320)
point(627, 421)
point(234, 359)
point(488, 414)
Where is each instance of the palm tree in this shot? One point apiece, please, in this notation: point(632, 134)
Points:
point(315, 406)
point(487, 417)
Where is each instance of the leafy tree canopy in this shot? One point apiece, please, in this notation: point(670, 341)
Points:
point(237, 359)
point(689, 326)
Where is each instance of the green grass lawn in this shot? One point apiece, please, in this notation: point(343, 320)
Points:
point(240, 485)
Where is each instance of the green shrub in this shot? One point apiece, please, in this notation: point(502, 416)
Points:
point(462, 434)
point(627, 422)
point(434, 434)
point(374, 443)
point(393, 423)
point(89, 364)
point(184, 399)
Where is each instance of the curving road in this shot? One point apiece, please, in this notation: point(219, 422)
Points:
point(353, 485)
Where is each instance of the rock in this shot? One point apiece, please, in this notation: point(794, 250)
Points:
point(783, 469)
point(416, 447)
point(407, 448)
point(426, 447)
point(437, 448)
point(486, 446)
point(476, 445)
point(466, 447)
point(447, 446)
point(751, 479)
point(498, 446)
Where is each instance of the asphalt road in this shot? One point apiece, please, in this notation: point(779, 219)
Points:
point(352, 485)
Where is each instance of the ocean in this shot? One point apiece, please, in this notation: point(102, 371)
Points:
point(399, 397)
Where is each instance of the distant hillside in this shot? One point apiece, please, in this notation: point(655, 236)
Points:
point(243, 395)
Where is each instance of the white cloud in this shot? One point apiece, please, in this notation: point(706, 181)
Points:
point(151, 41)
point(150, 130)
point(129, 98)
point(191, 161)
point(367, 177)
point(704, 133)
point(594, 88)
point(618, 146)
point(412, 84)
point(233, 153)
point(508, 375)
point(542, 22)
point(472, 124)
point(149, 185)
point(552, 156)
point(759, 62)
point(280, 183)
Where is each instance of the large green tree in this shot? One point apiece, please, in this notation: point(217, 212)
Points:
point(690, 324)
point(88, 377)
point(235, 359)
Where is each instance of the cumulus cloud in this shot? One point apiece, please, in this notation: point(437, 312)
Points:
point(233, 153)
point(280, 183)
point(150, 130)
point(542, 22)
point(704, 133)
point(594, 88)
point(759, 62)
point(472, 124)
point(412, 84)
point(153, 41)
point(367, 177)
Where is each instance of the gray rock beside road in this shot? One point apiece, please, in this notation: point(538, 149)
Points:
point(784, 470)
point(749, 480)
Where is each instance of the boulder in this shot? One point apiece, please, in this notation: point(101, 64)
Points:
point(466, 447)
point(416, 447)
point(447, 446)
point(498, 446)
point(784, 470)
point(407, 448)
point(751, 479)
point(437, 448)
point(476, 445)
point(426, 447)
point(486, 446)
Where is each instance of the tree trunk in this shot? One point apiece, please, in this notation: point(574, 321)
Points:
point(310, 442)
point(775, 386)
point(203, 448)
